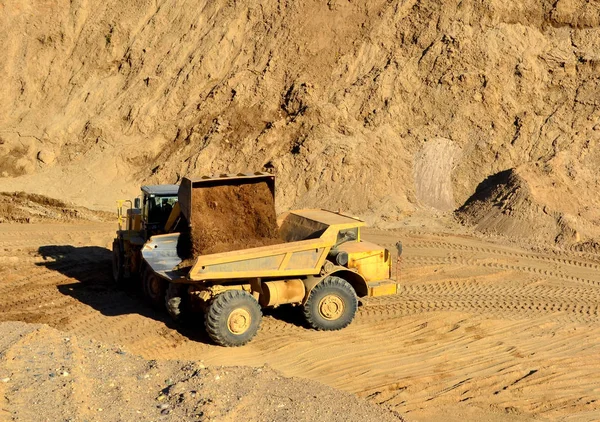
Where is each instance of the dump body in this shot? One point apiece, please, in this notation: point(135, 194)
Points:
point(307, 238)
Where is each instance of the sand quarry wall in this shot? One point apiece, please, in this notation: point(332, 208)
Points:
point(378, 107)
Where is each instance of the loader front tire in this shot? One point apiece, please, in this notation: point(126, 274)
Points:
point(233, 318)
point(154, 288)
point(331, 305)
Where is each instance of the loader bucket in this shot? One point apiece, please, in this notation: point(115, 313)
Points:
point(191, 185)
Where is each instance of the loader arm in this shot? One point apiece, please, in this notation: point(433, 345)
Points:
point(173, 219)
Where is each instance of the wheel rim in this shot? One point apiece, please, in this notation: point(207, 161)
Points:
point(331, 307)
point(239, 321)
point(154, 286)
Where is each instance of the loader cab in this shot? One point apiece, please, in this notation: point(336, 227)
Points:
point(157, 203)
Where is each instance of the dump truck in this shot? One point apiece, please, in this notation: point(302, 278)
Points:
point(321, 265)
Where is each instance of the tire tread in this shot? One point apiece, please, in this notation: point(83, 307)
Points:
point(216, 312)
point(330, 283)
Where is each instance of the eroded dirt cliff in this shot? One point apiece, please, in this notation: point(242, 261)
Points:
point(380, 108)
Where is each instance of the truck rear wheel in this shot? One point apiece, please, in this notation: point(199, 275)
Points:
point(154, 288)
point(233, 318)
point(177, 301)
point(117, 262)
point(331, 305)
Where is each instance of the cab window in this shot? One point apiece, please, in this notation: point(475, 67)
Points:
point(158, 208)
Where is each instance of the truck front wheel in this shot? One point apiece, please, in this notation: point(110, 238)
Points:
point(331, 305)
point(233, 318)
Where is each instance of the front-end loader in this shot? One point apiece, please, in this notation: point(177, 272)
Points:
point(148, 215)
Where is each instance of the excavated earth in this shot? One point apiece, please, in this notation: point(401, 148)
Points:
point(48, 375)
point(228, 218)
point(22, 207)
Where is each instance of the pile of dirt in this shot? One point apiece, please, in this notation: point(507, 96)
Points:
point(516, 203)
point(48, 375)
point(504, 204)
point(380, 108)
point(21, 207)
point(230, 217)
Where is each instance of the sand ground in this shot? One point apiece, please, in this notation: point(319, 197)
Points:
point(480, 329)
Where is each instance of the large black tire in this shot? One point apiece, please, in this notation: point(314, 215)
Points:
point(155, 288)
point(177, 301)
point(331, 305)
point(233, 318)
point(118, 260)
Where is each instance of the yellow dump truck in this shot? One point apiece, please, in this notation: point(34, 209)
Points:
point(322, 265)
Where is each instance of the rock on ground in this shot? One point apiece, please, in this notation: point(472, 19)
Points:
point(48, 375)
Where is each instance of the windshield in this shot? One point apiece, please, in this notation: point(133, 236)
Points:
point(158, 208)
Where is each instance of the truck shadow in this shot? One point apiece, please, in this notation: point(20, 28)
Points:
point(90, 267)
point(287, 313)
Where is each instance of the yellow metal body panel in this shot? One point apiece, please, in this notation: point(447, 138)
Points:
point(287, 259)
point(383, 288)
point(310, 223)
point(330, 218)
point(372, 261)
point(275, 293)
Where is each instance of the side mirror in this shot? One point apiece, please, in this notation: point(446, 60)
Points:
point(137, 203)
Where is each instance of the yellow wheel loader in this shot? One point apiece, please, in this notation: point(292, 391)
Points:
point(322, 265)
point(146, 216)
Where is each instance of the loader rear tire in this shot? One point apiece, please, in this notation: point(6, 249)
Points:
point(331, 305)
point(233, 318)
point(154, 288)
point(118, 260)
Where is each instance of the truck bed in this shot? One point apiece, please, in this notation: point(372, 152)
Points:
point(304, 257)
point(318, 230)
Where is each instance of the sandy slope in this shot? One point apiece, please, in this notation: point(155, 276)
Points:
point(378, 107)
point(21, 207)
point(479, 331)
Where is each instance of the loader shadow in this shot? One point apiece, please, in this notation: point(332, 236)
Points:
point(91, 268)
